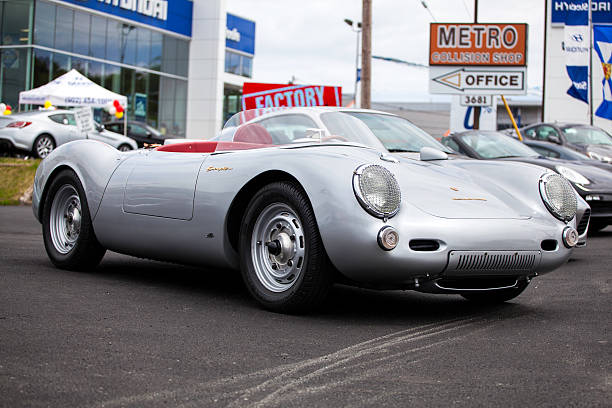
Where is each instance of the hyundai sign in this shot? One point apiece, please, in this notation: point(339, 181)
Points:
point(170, 15)
point(240, 34)
point(561, 9)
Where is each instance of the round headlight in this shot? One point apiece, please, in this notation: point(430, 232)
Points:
point(377, 190)
point(558, 195)
point(572, 175)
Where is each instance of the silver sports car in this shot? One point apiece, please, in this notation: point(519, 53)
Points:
point(42, 131)
point(299, 200)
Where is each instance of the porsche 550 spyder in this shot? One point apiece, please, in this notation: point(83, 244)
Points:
point(300, 199)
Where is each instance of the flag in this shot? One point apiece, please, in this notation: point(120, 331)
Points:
point(576, 48)
point(602, 40)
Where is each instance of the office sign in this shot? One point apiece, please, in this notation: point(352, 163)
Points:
point(477, 81)
point(240, 34)
point(170, 15)
point(465, 44)
point(260, 95)
point(563, 10)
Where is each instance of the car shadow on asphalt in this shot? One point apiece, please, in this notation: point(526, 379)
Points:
point(344, 303)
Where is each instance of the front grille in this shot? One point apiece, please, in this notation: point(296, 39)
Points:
point(584, 222)
point(492, 262)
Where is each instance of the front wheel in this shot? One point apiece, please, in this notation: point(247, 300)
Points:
point(496, 295)
point(67, 229)
point(282, 259)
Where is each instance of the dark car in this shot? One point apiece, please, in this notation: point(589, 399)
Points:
point(139, 131)
point(590, 140)
point(592, 183)
point(556, 151)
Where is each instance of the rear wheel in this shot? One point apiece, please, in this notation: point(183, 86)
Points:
point(124, 148)
point(67, 229)
point(497, 295)
point(43, 146)
point(282, 259)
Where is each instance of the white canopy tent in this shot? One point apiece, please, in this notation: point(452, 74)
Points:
point(73, 89)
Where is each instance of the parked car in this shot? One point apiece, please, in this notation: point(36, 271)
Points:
point(139, 131)
point(556, 151)
point(301, 199)
point(590, 140)
point(40, 132)
point(592, 183)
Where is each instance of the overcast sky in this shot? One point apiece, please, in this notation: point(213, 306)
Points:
point(308, 39)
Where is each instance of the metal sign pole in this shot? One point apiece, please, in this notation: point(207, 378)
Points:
point(590, 64)
point(477, 109)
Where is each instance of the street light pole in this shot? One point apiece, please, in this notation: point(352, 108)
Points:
point(366, 54)
point(358, 31)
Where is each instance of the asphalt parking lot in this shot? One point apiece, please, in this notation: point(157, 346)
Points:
point(139, 333)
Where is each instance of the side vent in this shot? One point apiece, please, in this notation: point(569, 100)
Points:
point(424, 245)
point(549, 245)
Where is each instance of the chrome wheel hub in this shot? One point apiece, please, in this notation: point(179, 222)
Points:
point(278, 247)
point(65, 219)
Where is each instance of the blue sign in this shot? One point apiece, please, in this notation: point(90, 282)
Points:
point(240, 34)
point(140, 106)
point(603, 46)
point(562, 10)
point(170, 15)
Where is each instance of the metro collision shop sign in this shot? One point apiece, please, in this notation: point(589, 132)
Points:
point(260, 95)
point(478, 58)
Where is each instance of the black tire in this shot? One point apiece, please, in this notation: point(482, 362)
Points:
point(85, 252)
point(43, 146)
point(496, 296)
point(311, 281)
point(595, 227)
point(125, 148)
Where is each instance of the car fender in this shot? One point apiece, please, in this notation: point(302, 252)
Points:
point(93, 162)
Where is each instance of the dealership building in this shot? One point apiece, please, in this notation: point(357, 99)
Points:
point(181, 63)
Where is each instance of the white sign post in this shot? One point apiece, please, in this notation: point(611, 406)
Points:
point(84, 118)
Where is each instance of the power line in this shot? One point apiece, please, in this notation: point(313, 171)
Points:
point(426, 7)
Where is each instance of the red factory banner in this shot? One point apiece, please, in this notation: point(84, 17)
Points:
point(257, 95)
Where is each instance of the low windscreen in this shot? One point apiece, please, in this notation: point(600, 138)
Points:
point(586, 135)
point(283, 126)
point(495, 145)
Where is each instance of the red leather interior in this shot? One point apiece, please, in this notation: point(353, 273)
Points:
point(253, 133)
point(205, 146)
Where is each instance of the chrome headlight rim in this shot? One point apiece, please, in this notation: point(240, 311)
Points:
point(573, 176)
point(544, 179)
point(364, 201)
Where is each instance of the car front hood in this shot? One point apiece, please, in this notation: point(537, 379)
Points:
point(600, 179)
point(458, 188)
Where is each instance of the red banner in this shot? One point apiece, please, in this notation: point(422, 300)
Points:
point(257, 95)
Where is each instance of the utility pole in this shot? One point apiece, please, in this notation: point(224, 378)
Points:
point(477, 109)
point(366, 53)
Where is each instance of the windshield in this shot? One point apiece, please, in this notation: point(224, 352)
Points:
point(297, 125)
point(495, 145)
point(398, 134)
point(586, 135)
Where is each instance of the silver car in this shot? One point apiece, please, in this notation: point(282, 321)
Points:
point(302, 199)
point(39, 132)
